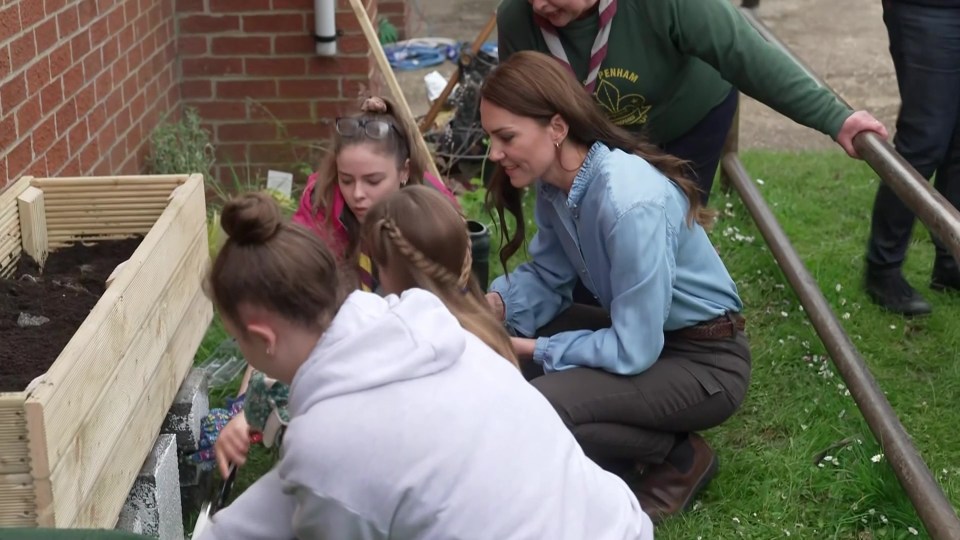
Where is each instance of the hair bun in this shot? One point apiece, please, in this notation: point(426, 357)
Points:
point(251, 218)
point(374, 105)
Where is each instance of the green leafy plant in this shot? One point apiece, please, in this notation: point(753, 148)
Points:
point(181, 147)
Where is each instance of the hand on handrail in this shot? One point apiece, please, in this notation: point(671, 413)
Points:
point(855, 124)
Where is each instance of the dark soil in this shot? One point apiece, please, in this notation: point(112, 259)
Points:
point(72, 281)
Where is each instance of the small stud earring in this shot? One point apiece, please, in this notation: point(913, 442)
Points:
point(557, 144)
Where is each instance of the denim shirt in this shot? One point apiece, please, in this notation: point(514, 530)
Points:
point(622, 229)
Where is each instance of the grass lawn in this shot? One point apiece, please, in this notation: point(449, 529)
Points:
point(771, 483)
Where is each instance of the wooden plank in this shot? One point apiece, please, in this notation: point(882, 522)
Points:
point(14, 455)
point(157, 206)
point(106, 212)
point(10, 243)
point(106, 332)
point(104, 501)
point(17, 503)
point(57, 202)
point(111, 417)
point(374, 42)
point(33, 224)
point(109, 180)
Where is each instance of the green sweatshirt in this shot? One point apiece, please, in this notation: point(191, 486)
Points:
point(668, 64)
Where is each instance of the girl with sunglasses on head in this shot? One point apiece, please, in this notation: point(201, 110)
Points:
point(403, 424)
point(373, 155)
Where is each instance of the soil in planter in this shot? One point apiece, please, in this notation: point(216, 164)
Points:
point(40, 312)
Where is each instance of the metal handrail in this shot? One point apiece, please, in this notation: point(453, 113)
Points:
point(933, 508)
point(927, 203)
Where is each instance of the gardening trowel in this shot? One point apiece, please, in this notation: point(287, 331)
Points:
point(211, 507)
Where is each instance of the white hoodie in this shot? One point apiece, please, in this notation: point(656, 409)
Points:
point(405, 426)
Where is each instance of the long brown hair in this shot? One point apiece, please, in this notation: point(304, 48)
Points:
point(271, 263)
point(421, 237)
point(534, 85)
point(398, 144)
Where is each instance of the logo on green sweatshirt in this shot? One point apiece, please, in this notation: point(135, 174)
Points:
point(624, 108)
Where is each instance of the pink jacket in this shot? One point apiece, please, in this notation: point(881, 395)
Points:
point(317, 220)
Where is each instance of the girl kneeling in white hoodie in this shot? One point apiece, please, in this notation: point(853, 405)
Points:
point(403, 425)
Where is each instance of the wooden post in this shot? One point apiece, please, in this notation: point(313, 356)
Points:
point(33, 224)
point(361, 12)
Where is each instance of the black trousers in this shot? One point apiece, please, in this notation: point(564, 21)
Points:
point(925, 46)
point(693, 386)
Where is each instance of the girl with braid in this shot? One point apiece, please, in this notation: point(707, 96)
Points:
point(416, 239)
point(403, 425)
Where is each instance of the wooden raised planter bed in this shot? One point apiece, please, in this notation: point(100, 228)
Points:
point(72, 443)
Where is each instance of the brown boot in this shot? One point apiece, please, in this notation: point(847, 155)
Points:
point(663, 490)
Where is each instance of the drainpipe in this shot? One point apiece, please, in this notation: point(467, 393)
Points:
point(325, 26)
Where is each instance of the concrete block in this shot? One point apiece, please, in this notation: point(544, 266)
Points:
point(190, 405)
point(153, 505)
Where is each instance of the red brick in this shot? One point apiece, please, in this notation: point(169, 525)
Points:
point(120, 71)
point(186, 6)
point(311, 131)
point(211, 66)
point(12, 93)
point(60, 60)
point(9, 22)
point(281, 110)
point(246, 88)
point(66, 117)
point(231, 46)
point(28, 115)
point(80, 46)
point(4, 175)
point(43, 136)
point(311, 88)
point(293, 4)
point(68, 22)
point(114, 101)
point(86, 12)
point(347, 22)
point(192, 45)
point(92, 64)
point(77, 137)
point(99, 33)
point(72, 168)
point(8, 132)
point(233, 6)
point(46, 34)
point(275, 67)
point(52, 6)
point(96, 119)
point(85, 98)
point(352, 44)
point(20, 157)
point(23, 50)
point(125, 39)
point(196, 89)
point(390, 8)
point(222, 110)
point(73, 80)
point(240, 132)
point(293, 44)
point(355, 87)
point(38, 75)
point(89, 155)
point(4, 62)
point(275, 23)
point(115, 20)
point(110, 51)
point(209, 24)
point(31, 12)
point(340, 65)
point(57, 155)
point(51, 96)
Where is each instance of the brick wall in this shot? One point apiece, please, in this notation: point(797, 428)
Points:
point(82, 84)
point(250, 69)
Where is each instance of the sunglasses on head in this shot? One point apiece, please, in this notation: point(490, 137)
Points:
point(354, 127)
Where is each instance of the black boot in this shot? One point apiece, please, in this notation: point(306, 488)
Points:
point(946, 275)
point(890, 290)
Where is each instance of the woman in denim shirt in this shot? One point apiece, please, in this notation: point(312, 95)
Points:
point(664, 354)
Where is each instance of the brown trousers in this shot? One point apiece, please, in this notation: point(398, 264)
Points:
point(694, 385)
